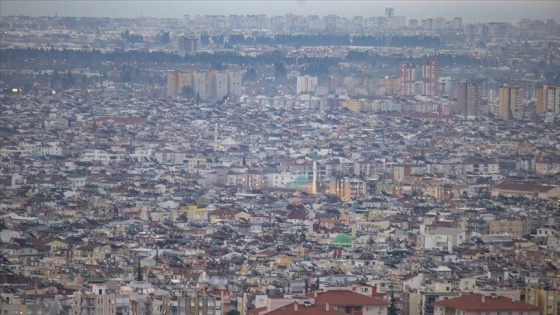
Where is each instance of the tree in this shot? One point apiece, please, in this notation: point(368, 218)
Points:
point(392, 310)
point(165, 38)
point(187, 92)
point(233, 312)
point(139, 276)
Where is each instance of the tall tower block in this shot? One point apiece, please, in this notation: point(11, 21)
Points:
point(310, 231)
point(314, 185)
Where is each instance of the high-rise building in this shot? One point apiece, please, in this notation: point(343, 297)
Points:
point(468, 99)
point(211, 84)
point(447, 87)
point(407, 76)
point(457, 24)
point(176, 80)
point(510, 101)
point(389, 13)
point(99, 301)
point(306, 84)
point(390, 85)
point(548, 99)
point(234, 82)
point(528, 89)
point(218, 84)
point(189, 44)
point(430, 77)
point(200, 85)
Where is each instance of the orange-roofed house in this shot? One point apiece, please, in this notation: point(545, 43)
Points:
point(350, 302)
point(298, 309)
point(508, 188)
point(479, 304)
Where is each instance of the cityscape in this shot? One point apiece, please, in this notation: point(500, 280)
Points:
point(278, 164)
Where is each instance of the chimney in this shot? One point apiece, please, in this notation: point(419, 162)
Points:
point(327, 307)
point(483, 299)
point(373, 290)
point(296, 306)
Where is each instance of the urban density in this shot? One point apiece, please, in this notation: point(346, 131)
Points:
point(254, 164)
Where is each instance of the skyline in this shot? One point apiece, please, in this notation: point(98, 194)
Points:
point(469, 11)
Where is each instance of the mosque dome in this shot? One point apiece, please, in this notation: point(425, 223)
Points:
point(342, 239)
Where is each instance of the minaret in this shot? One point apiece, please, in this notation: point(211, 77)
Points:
point(314, 187)
point(310, 231)
point(353, 224)
point(216, 138)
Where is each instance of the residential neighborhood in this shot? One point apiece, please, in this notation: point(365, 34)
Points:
point(174, 183)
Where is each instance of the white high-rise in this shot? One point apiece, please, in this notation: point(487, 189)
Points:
point(306, 84)
point(200, 84)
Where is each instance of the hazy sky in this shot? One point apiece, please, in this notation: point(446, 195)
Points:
point(470, 11)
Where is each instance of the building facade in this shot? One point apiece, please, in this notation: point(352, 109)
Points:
point(430, 77)
point(548, 99)
point(468, 99)
point(407, 77)
point(306, 84)
point(510, 101)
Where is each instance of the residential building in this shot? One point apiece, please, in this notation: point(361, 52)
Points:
point(548, 99)
point(508, 188)
point(430, 77)
point(176, 81)
point(479, 304)
point(468, 99)
point(234, 82)
point(443, 239)
point(306, 84)
point(218, 84)
point(516, 228)
point(350, 302)
point(510, 101)
point(189, 44)
point(407, 77)
point(546, 298)
point(200, 85)
point(347, 188)
point(99, 301)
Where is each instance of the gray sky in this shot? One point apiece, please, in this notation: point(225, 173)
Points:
point(470, 11)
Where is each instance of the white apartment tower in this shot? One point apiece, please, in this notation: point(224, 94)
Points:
point(200, 85)
point(306, 84)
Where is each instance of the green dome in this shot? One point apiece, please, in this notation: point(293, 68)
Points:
point(342, 239)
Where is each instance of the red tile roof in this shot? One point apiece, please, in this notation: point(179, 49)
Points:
point(514, 186)
point(256, 311)
point(474, 302)
point(304, 310)
point(345, 298)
